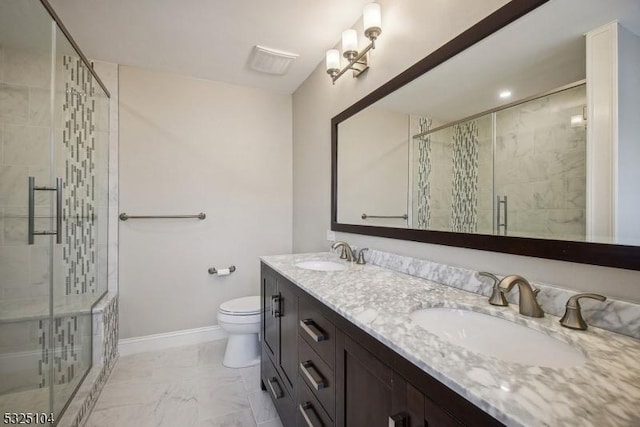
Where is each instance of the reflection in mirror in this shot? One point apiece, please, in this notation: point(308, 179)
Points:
point(526, 134)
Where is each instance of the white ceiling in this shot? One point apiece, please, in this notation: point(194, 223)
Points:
point(539, 52)
point(210, 39)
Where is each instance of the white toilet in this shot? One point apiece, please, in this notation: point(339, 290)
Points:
point(240, 317)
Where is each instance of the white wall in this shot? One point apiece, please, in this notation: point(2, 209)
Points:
point(373, 167)
point(411, 30)
point(190, 146)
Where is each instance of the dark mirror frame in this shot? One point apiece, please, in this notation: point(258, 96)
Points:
point(608, 255)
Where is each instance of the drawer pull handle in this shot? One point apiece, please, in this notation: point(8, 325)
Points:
point(312, 330)
point(276, 391)
point(309, 415)
point(312, 375)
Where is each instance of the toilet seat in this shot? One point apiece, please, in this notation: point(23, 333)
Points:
point(246, 306)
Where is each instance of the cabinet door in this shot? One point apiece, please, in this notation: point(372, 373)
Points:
point(270, 324)
point(288, 316)
point(364, 386)
point(412, 408)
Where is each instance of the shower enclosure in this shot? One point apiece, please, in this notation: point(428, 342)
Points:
point(518, 170)
point(54, 115)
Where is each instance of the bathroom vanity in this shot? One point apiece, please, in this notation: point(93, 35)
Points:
point(341, 348)
point(321, 370)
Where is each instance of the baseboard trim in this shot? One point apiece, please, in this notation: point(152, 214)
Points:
point(157, 342)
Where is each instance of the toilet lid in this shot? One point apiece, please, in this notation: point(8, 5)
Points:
point(246, 305)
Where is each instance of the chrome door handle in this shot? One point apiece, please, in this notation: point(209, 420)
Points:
point(312, 330)
point(312, 375)
point(58, 210)
point(31, 233)
point(309, 415)
point(32, 213)
point(273, 385)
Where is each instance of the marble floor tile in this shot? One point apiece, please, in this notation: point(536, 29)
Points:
point(183, 387)
point(273, 423)
point(251, 378)
point(235, 419)
point(262, 407)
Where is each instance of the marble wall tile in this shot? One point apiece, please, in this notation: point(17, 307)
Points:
point(15, 226)
point(26, 145)
point(13, 181)
point(39, 107)
point(1, 63)
point(27, 67)
point(14, 264)
point(14, 104)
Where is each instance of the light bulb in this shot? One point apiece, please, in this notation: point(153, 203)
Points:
point(333, 60)
point(372, 20)
point(349, 43)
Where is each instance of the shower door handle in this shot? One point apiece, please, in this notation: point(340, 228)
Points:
point(31, 232)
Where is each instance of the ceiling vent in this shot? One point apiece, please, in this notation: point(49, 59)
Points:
point(271, 61)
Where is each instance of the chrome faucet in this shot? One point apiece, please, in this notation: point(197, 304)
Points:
point(573, 316)
point(528, 304)
point(346, 253)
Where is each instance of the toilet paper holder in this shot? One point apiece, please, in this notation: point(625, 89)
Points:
point(213, 270)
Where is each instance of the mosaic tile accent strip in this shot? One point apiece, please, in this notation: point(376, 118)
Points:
point(424, 172)
point(87, 395)
point(110, 332)
point(613, 315)
point(78, 138)
point(66, 355)
point(464, 215)
point(43, 362)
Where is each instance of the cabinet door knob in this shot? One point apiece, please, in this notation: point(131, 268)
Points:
point(398, 420)
point(312, 375)
point(312, 330)
point(276, 391)
point(309, 415)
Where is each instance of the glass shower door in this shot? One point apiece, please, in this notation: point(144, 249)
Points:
point(25, 161)
point(540, 167)
point(53, 211)
point(79, 261)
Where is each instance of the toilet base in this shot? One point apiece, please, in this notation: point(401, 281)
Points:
point(243, 350)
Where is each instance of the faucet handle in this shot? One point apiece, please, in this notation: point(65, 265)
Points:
point(343, 252)
point(497, 295)
point(573, 315)
point(361, 259)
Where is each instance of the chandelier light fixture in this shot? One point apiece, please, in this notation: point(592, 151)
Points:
point(358, 60)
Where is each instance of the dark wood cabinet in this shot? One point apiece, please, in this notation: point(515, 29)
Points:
point(365, 386)
point(321, 370)
point(279, 364)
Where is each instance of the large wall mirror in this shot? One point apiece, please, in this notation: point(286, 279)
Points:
point(522, 135)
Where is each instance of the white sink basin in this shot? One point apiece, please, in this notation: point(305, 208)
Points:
point(500, 338)
point(320, 265)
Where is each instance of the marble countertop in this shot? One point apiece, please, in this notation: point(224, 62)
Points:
point(605, 391)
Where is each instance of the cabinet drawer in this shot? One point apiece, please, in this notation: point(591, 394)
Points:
point(317, 331)
point(318, 376)
point(282, 400)
point(309, 412)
